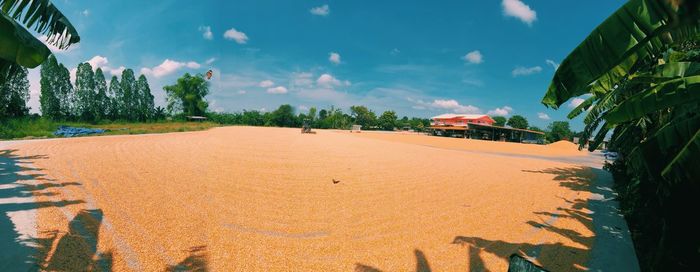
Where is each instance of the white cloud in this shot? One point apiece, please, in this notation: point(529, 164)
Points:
point(321, 11)
point(206, 32)
point(266, 83)
point(55, 50)
point(552, 63)
point(303, 108)
point(576, 102)
point(168, 67)
point(233, 34)
point(543, 116)
point(98, 61)
point(506, 110)
point(114, 71)
point(241, 92)
point(210, 61)
point(334, 58)
point(454, 106)
point(518, 9)
point(193, 65)
point(302, 79)
point(85, 12)
point(102, 63)
point(394, 52)
point(328, 81)
point(474, 57)
point(277, 90)
point(526, 71)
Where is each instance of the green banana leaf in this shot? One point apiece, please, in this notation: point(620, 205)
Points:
point(18, 45)
point(634, 33)
point(684, 166)
point(659, 149)
point(665, 95)
point(582, 107)
point(43, 17)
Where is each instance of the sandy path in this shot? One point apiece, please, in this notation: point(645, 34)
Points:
point(261, 199)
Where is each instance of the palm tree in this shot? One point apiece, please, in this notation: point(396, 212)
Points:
point(640, 73)
point(19, 47)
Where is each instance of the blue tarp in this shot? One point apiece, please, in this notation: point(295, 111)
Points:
point(67, 131)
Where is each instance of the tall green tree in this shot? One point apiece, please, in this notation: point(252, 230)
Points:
point(116, 98)
point(14, 95)
point(130, 95)
point(500, 121)
point(64, 89)
point(101, 104)
point(388, 120)
point(640, 72)
point(363, 116)
point(20, 48)
point(284, 116)
point(85, 95)
point(146, 104)
point(518, 121)
point(322, 114)
point(188, 95)
point(558, 130)
point(50, 103)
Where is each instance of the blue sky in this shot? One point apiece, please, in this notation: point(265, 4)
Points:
point(419, 58)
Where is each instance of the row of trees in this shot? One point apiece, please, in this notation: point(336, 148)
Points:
point(91, 99)
point(331, 118)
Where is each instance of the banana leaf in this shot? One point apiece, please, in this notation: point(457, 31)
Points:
point(582, 107)
point(18, 45)
point(684, 166)
point(666, 95)
point(44, 18)
point(636, 32)
point(659, 149)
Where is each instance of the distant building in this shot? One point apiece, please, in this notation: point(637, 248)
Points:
point(480, 126)
point(461, 119)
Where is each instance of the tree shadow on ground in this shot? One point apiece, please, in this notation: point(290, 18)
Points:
point(422, 264)
point(559, 256)
point(595, 214)
point(74, 251)
point(196, 261)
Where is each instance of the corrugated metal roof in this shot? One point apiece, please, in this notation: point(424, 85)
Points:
point(462, 116)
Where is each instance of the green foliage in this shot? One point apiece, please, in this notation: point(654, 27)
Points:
point(363, 116)
point(129, 98)
point(387, 121)
point(101, 104)
point(19, 46)
point(22, 127)
point(284, 117)
point(146, 107)
point(91, 100)
point(116, 97)
point(14, 95)
point(187, 95)
point(534, 128)
point(85, 95)
point(642, 70)
point(518, 121)
point(500, 121)
point(557, 131)
point(637, 32)
point(50, 104)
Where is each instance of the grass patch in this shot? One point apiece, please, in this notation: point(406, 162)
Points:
point(32, 128)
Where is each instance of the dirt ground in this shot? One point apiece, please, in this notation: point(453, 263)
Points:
point(264, 199)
